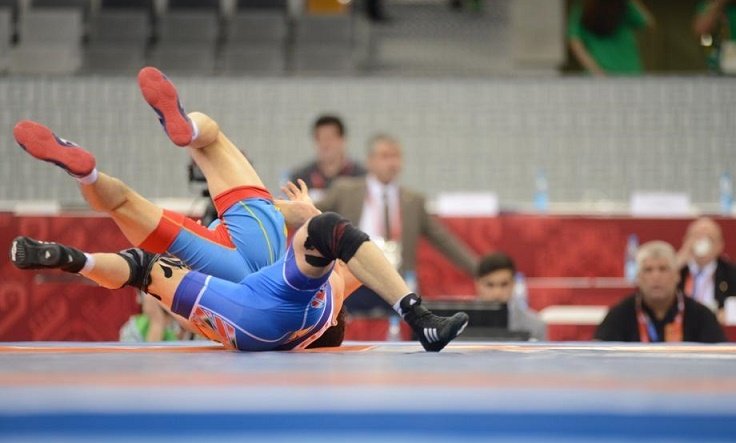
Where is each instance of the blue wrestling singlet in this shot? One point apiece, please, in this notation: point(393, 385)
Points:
point(275, 308)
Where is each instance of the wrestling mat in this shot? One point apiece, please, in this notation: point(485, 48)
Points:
point(471, 391)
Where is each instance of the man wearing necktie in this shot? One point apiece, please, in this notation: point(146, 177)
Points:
point(705, 275)
point(392, 215)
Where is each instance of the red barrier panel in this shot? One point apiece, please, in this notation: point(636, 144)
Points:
point(553, 246)
point(51, 305)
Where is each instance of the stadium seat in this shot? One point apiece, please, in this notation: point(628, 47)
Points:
point(119, 35)
point(50, 41)
point(187, 37)
point(255, 42)
point(6, 35)
point(325, 44)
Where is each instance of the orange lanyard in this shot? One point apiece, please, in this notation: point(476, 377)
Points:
point(647, 329)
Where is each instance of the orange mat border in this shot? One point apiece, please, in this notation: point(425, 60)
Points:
point(454, 347)
point(41, 349)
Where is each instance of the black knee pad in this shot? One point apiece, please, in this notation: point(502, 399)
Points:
point(140, 264)
point(334, 237)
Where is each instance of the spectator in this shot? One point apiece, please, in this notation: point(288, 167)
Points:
point(704, 274)
point(154, 324)
point(602, 38)
point(715, 16)
point(714, 23)
point(394, 216)
point(332, 160)
point(495, 282)
point(658, 311)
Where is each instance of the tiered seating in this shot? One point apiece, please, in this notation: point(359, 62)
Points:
point(50, 37)
point(251, 37)
point(256, 36)
point(118, 36)
point(6, 35)
point(323, 44)
point(187, 37)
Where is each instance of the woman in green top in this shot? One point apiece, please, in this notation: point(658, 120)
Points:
point(714, 13)
point(714, 24)
point(601, 35)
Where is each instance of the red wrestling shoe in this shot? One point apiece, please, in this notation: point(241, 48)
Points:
point(38, 140)
point(161, 95)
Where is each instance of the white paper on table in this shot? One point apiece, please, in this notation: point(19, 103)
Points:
point(660, 204)
point(467, 204)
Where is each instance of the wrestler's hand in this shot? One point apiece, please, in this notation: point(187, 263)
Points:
point(297, 193)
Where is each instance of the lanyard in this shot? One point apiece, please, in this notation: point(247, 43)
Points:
point(647, 329)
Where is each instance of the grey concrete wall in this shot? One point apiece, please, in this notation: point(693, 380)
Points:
point(597, 139)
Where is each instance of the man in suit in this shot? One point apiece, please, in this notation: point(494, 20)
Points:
point(391, 214)
point(705, 275)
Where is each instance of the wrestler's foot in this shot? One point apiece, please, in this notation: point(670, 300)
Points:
point(160, 93)
point(39, 141)
point(434, 332)
point(27, 253)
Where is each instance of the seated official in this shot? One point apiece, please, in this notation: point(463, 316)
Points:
point(706, 275)
point(658, 311)
point(495, 282)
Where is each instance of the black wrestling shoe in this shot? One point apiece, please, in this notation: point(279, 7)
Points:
point(434, 332)
point(27, 253)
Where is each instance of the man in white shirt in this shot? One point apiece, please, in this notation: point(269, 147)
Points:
point(705, 275)
point(393, 216)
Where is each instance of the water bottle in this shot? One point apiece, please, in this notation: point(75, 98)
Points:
point(394, 328)
point(726, 193)
point(520, 291)
point(541, 191)
point(630, 268)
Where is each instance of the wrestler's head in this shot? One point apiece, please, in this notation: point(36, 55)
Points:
point(333, 336)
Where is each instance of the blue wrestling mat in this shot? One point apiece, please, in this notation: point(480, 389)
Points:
point(366, 392)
